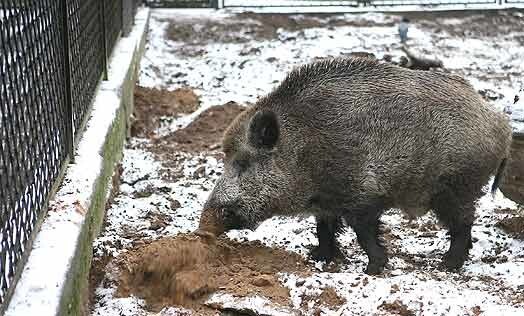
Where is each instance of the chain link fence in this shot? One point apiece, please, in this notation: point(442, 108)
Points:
point(53, 54)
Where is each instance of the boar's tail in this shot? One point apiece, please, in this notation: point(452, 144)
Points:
point(498, 176)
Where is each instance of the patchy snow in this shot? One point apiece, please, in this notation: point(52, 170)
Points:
point(222, 74)
point(255, 303)
point(233, 71)
point(294, 6)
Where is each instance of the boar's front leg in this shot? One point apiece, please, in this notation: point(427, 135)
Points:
point(328, 228)
point(367, 227)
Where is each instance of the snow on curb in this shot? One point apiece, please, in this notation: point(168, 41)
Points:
point(40, 288)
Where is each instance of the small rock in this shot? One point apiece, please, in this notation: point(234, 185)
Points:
point(157, 224)
point(300, 282)
point(488, 259)
point(179, 74)
point(200, 172)
point(394, 289)
point(249, 51)
point(214, 146)
point(175, 204)
point(261, 281)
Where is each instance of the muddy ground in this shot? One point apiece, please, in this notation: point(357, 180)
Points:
point(198, 74)
point(184, 270)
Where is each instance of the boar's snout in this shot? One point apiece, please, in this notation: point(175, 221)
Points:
point(228, 210)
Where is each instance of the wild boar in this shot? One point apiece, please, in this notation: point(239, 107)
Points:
point(347, 139)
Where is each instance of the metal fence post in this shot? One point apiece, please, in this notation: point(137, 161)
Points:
point(121, 17)
point(68, 100)
point(104, 36)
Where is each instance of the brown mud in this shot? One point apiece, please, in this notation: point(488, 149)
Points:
point(205, 132)
point(184, 270)
point(151, 104)
point(244, 27)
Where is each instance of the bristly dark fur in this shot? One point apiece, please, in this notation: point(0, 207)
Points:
point(356, 137)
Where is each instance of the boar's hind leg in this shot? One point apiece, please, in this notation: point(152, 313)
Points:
point(367, 227)
point(457, 215)
point(328, 228)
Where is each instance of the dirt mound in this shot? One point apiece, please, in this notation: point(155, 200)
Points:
point(205, 132)
point(211, 222)
point(151, 104)
point(183, 270)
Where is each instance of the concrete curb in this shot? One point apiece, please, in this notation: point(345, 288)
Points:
point(55, 277)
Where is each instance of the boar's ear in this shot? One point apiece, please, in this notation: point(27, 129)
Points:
point(263, 129)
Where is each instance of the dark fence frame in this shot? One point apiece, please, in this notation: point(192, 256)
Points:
point(53, 55)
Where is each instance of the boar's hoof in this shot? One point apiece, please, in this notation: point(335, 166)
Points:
point(327, 254)
point(375, 267)
point(452, 262)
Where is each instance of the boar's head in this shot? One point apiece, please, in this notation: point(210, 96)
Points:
point(259, 178)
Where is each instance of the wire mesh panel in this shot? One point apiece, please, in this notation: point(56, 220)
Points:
point(86, 53)
point(129, 8)
point(127, 16)
point(52, 57)
point(32, 128)
point(113, 22)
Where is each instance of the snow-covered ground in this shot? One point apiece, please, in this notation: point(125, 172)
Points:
point(492, 280)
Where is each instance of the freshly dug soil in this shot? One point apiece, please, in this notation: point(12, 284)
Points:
point(151, 104)
point(185, 269)
point(210, 221)
point(205, 132)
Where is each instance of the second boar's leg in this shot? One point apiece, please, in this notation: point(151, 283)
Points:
point(328, 228)
point(367, 228)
